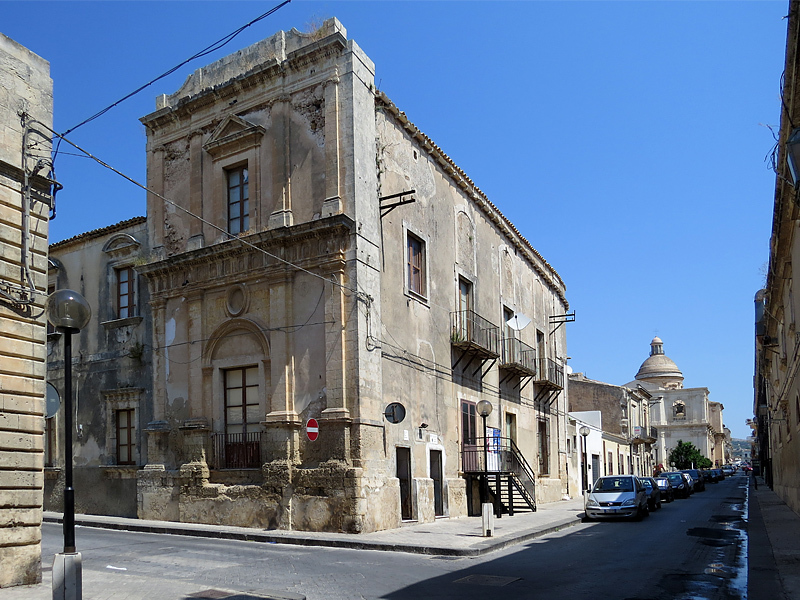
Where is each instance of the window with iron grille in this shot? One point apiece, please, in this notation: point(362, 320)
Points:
point(126, 440)
point(415, 259)
point(238, 200)
point(126, 302)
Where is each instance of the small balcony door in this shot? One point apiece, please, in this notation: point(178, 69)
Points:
point(464, 322)
point(469, 443)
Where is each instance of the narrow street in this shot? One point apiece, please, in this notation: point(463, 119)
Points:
point(692, 548)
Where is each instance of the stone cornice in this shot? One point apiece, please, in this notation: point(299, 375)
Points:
point(270, 70)
point(230, 261)
point(462, 181)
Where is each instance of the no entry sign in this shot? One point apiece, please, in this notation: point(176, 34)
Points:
point(312, 429)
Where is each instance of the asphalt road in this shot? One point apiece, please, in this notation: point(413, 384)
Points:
point(690, 549)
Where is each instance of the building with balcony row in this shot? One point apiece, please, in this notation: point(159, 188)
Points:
point(331, 299)
point(776, 402)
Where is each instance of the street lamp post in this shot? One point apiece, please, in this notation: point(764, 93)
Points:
point(584, 431)
point(484, 408)
point(68, 312)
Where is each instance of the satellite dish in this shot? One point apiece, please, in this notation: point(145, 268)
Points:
point(52, 401)
point(518, 322)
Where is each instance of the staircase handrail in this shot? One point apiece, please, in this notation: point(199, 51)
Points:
point(525, 474)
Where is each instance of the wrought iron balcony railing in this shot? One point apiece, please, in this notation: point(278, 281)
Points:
point(470, 331)
point(549, 373)
point(518, 357)
point(237, 450)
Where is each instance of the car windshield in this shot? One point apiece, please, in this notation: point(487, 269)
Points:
point(676, 477)
point(647, 483)
point(614, 484)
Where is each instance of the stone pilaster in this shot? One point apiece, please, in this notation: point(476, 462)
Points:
point(333, 200)
point(195, 190)
point(282, 215)
point(282, 423)
point(335, 420)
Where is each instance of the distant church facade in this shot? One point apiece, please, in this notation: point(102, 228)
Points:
point(679, 413)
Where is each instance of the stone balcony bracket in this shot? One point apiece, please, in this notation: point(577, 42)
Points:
point(283, 417)
point(336, 415)
point(196, 424)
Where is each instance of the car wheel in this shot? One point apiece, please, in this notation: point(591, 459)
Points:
point(658, 505)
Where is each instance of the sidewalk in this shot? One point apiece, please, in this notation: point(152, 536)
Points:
point(773, 571)
point(445, 537)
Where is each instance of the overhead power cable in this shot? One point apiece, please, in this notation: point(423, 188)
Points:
point(359, 294)
point(204, 52)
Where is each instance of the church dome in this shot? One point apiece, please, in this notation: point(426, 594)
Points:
point(659, 368)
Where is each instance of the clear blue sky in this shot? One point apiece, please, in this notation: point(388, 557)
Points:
point(626, 141)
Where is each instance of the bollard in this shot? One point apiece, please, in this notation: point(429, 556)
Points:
point(487, 516)
point(67, 576)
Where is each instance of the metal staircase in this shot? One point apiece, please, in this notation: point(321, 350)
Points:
point(509, 478)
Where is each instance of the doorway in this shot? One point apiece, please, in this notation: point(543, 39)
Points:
point(404, 475)
point(438, 482)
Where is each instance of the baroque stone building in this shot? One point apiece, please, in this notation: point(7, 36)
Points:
point(26, 111)
point(331, 298)
point(111, 366)
point(678, 413)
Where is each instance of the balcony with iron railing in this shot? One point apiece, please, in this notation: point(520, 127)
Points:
point(644, 435)
point(237, 450)
point(518, 357)
point(549, 373)
point(473, 333)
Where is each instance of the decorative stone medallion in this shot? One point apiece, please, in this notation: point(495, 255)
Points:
point(237, 300)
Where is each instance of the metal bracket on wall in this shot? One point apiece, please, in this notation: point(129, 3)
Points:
point(387, 207)
point(559, 320)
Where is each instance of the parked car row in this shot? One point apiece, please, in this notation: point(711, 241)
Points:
point(633, 497)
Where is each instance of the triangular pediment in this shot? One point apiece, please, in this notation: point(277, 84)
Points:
point(232, 134)
point(230, 125)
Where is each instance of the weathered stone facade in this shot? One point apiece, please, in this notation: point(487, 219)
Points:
point(26, 105)
point(111, 366)
point(311, 254)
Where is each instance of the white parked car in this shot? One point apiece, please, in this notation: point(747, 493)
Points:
point(616, 496)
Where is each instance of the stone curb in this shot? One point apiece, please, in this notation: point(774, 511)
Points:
point(173, 528)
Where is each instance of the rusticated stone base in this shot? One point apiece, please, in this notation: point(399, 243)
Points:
point(330, 497)
point(22, 565)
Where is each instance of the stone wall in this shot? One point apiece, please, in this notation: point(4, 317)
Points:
point(26, 87)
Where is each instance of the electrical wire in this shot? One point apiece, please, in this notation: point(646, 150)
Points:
point(359, 294)
point(204, 52)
